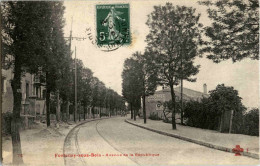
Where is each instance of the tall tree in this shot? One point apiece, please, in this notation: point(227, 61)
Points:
point(87, 91)
point(234, 32)
point(131, 85)
point(65, 82)
point(173, 41)
point(102, 97)
point(95, 97)
point(145, 76)
point(80, 86)
point(22, 28)
point(225, 98)
point(57, 48)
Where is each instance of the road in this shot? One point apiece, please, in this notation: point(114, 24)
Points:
point(115, 137)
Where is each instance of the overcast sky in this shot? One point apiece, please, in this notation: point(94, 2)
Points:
point(108, 66)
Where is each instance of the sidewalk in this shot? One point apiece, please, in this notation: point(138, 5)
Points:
point(40, 144)
point(209, 138)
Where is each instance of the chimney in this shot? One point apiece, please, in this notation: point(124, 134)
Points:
point(205, 88)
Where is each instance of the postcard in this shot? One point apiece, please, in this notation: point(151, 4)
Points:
point(120, 82)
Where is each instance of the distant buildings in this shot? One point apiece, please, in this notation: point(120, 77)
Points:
point(154, 103)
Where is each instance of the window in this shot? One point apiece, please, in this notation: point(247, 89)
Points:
point(3, 83)
point(44, 94)
point(27, 90)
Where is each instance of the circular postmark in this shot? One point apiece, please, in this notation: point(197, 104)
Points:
point(105, 47)
point(112, 27)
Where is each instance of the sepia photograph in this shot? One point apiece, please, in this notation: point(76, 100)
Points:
point(129, 82)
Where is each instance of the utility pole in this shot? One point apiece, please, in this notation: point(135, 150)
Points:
point(70, 41)
point(231, 119)
point(181, 91)
point(71, 33)
point(76, 104)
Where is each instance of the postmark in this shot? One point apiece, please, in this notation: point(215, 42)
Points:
point(112, 26)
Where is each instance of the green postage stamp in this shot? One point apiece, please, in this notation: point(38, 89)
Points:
point(113, 24)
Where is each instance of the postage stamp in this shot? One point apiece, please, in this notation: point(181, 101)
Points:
point(113, 25)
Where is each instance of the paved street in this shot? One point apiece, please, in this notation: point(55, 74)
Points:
point(116, 137)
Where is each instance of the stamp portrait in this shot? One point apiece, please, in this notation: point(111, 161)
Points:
point(113, 24)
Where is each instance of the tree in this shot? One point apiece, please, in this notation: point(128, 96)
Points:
point(145, 77)
point(87, 91)
point(65, 82)
point(24, 23)
point(80, 87)
point(234, 32)
point(225, 98)
point(132, 84)
point(96, 94)
point(173, 40)
point(56, 48)
point(251, 122)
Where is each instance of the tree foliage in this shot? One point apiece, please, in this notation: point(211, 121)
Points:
point(131, 85)
point(32, 35)
point(251, 123)
point(139, 79)
point(208, 113)
point(173, 42)
point(234, 32)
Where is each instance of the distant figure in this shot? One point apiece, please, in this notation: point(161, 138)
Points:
point(109, 21)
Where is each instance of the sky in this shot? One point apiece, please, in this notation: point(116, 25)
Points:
point(108, 66)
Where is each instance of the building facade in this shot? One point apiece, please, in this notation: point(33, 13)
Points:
point(33, 95)
point(154, 103)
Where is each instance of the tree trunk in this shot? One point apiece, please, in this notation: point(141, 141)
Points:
point(144, 110)
point(174, 105)
point(131, 108)
point(134, 115)
point(74, 114)
point(68, 110)
point(16, 142)
point(48, 93)
point(17, 98)
point(100, 112)
point(58, 107)
point(48, 107)
point(84, 112)
point(182, 101)
point(221, 122)
point(88, 112)
point(79, 112)
point(93, 112)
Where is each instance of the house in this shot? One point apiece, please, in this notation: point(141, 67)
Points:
point(33, 95)
point(154, 103)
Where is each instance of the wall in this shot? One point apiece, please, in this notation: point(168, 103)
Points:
point(7, 95)
point(165, 95)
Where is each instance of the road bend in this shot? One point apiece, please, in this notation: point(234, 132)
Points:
point(115, 142)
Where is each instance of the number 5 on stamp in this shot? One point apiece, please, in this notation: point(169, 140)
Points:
point(113, 24)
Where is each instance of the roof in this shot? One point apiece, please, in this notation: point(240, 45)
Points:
point(186, 92)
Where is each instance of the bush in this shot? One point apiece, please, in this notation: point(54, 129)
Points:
point(154, 116)
point(251, 123)
point(208, 112)
point(200, 115)
point(103, 114)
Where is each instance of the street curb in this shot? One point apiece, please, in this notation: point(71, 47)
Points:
point(209, 145)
